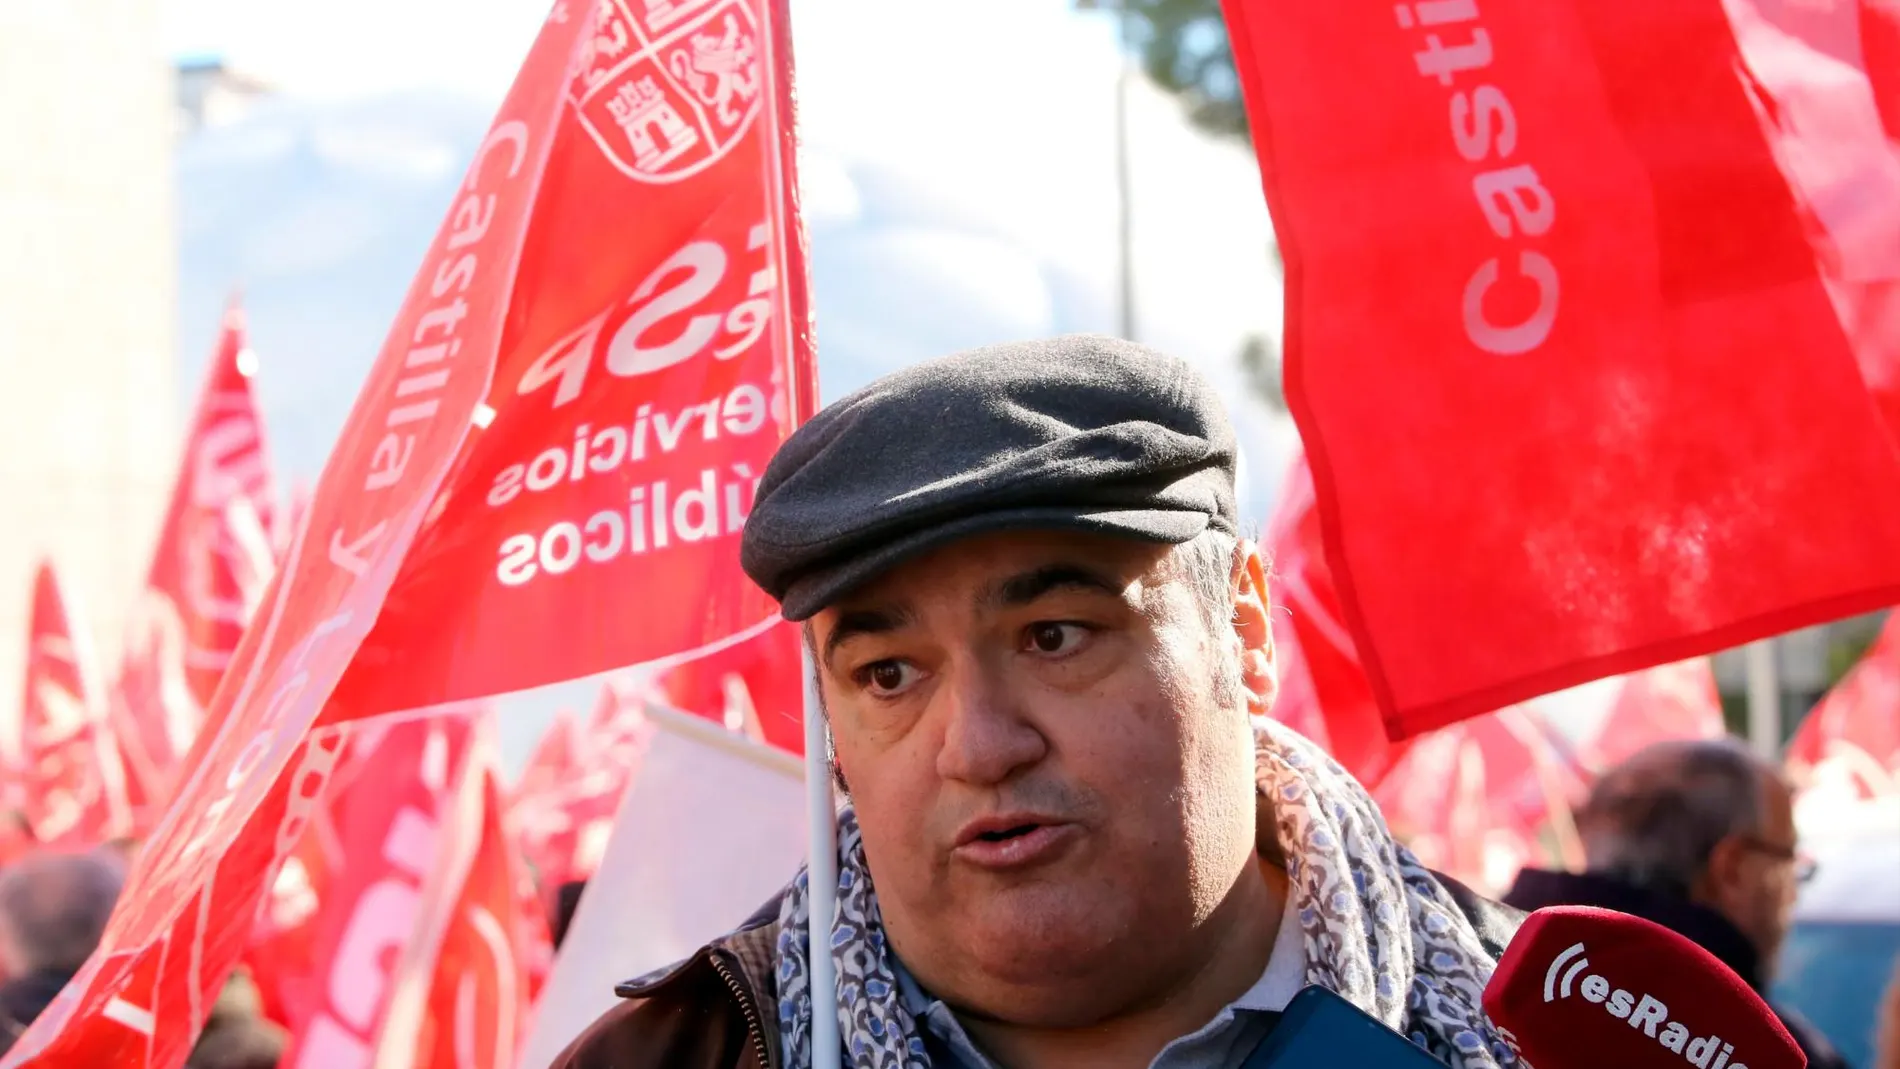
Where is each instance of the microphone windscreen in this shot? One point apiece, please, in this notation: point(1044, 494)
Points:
point(1582, 988)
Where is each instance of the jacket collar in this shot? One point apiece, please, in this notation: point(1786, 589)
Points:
point(1537, 888)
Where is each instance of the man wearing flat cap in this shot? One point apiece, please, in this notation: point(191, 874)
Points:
point(1073, 838)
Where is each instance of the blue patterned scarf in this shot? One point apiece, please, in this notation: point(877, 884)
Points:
point(1379, 929)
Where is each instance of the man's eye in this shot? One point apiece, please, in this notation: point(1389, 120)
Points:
point(885, 678)
point(1055, 638)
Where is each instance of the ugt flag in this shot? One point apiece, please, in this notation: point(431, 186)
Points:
point(544, 477)
point(1579, 301)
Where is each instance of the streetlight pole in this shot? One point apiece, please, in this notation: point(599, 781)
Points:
point(1124, 178)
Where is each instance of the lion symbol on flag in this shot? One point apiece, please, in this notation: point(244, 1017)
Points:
point(721, 69)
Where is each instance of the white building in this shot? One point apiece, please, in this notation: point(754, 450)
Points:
point(87, 263)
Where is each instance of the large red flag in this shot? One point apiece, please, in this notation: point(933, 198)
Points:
point(465, 983)
point(630, 208)
point(1849, 745)
point(213, 560)
point(1562, 334)
point(73, 784)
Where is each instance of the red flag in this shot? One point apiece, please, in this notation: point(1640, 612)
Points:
point(1546, 280)
point(564, 829)
point(1849, 744)
point(212, 563)
point(1323, 690)
point(653, 362)
point(755, 687)
point(1671, 701)
point(442, 554)
point(350, 885)
point(1472, 799)
point(73, 784)
point(391, 827)
point(553, 759)
point(465, 984)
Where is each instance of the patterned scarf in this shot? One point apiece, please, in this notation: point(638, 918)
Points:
point(1379, 929)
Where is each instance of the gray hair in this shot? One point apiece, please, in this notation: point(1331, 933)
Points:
point(1210, 562)
point(53, 909)
point(1654, 820)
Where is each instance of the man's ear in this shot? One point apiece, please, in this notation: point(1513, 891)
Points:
point(1253, 624)
point(1722, 871)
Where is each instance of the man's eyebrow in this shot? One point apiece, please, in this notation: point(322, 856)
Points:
point(855, 622)
point(1022, 589)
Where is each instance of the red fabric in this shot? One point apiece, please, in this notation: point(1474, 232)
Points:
point(73, 787)
point(563, 829)
point(1324, 694)
point(553, 759)
point(214, 557)
point(1850, 742)
point(1471, 799)
point(561, 252)
point(1648, 436)
point(1671, 701)
point(755, 687)
point(352, 883)
point(654, 359)
point(470, 968)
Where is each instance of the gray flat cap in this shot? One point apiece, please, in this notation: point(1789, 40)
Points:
point(1083, 433)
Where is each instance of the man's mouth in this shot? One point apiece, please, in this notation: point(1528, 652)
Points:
point(1006, 833)
point(1013, 841)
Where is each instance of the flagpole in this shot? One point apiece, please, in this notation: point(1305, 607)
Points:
point(1124, 181)
point(821, 816)
point(1764, 698)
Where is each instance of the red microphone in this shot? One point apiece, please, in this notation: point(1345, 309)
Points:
point(1583, 988)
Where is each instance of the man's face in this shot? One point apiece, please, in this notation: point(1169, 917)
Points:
point(1055, 801)
point(1758, 877)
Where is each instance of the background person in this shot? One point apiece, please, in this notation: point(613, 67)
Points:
point(1697, 836)
point(53, 908)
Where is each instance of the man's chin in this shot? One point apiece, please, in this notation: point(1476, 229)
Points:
point(1029, 941)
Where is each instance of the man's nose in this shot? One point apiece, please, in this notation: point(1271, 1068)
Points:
point(988, 735)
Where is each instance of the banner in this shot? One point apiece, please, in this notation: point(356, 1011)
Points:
point(349, 894)
point(1565, 298)
point(464, 986)
point(624, 257)
point(713, 827)
point(657, 353)
point(1848, 748)
point(213, 560)
point(73, 787)
point(1323, 690)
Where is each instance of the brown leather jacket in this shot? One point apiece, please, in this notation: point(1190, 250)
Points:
point(719, 1009)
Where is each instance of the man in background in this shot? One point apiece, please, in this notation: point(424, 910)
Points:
point(1697, 836)
point(53, 908)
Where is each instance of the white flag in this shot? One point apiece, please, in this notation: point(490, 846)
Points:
point(712, 826)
